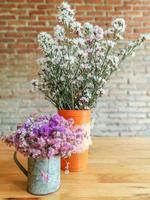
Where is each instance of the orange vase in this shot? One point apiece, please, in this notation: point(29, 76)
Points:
point(78, 161)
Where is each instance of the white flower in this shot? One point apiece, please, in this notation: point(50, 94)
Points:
point(111, 43)
point(109, 31)
point(88, 28)
point(83, 100)
point(114, 60)
point(88, 50)
point(80, 78)
point(42, 61)
point(70, 59)
point(146, 36)
point(65, 6)
point(119, 24)
point(79, 41)
point(35, 84)
point(66, 14)
point(98, 32)
point(101, 91)
point(82, 56)
point(45, 41)
point(76, 26)
point(104, 81)
point(85, 66)
point(62, 78)
point(59, 32)
point(119, 36)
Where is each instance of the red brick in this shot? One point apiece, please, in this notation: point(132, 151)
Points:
point(54, 1)
point(78, 1)
point(143, 18)
point(17, 22)
point(47, 18)
point(36, 23)
point(36, 1)
point(129, 30)
point(6, 40)
point(17, 12)
point(144, 30)
point(2, 22)
point(31, 35)
point(114, 13)
point(6, 51)
point(84, 7)
point(104, 19)
point(134, 13)
point(17, 46)
point(103, 7)
point(134, 23)
point(6, 17)
point(141, 8)
point(13, 35)
point(7, 6)
point(2, 45)
point(17, 1)
point(40, 29)
point(146, 23)
point(95, 13)
point(26, 17)
point(51, 12)
point(94, 1)
point(22, 6)
point(37, 12)
point(25, 28)
point(6, 28)
point(123, 8)
point(131, 36)
point(133, 2)
point(25, 40)
point(46, 6)
point(113, 2)
point(85, 18)
point(27, 50)
point(145, 2)
point(146, 13)
point(32, 46)
point(22, 20)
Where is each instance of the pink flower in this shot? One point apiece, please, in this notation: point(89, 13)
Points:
point(46, 136)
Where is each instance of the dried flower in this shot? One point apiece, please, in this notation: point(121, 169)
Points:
point(45, 137)
point(119, 25)
point(80, 58)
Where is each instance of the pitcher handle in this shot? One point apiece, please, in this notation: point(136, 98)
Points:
point(25, 172)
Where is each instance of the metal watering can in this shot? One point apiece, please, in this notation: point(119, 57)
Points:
point(43, 175)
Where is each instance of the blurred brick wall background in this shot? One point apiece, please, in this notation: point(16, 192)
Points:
point(123, 110)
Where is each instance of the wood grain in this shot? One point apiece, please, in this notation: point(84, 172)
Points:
point(119, 169)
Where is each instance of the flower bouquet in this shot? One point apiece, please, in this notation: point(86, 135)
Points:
point(78, 60)
point(43, 140)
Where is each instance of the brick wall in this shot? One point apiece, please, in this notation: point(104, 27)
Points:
point(124, 110)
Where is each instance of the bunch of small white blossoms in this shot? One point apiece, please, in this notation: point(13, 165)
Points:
point(79, 59)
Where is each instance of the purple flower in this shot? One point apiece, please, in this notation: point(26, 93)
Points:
point(35, 131)
point(46, 136)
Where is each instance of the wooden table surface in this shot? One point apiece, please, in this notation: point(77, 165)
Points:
point(119, 169)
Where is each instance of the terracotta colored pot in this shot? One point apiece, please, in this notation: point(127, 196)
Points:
point(78, 161)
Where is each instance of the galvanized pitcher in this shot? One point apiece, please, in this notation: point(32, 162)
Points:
point(43, 174)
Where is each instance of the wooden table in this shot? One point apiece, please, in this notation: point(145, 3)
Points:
point(119, 169)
